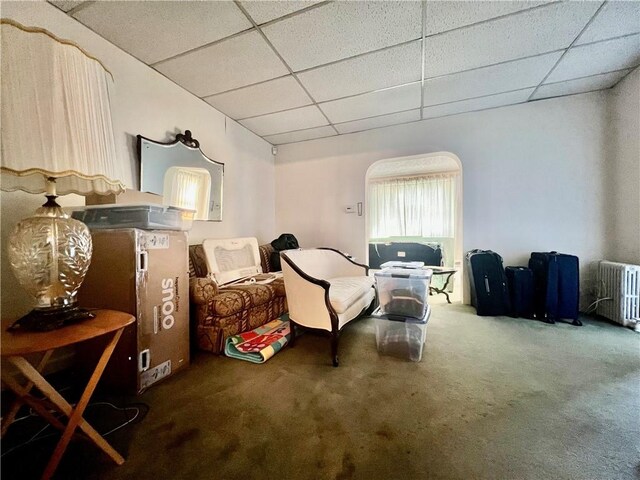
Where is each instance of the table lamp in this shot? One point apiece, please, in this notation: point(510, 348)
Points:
point(57, 138)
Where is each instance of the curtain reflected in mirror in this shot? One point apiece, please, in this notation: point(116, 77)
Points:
point(182, 174)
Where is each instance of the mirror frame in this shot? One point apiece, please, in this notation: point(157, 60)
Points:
point(186, 141)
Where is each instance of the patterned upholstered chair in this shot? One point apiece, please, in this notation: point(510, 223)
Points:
point(218, 313)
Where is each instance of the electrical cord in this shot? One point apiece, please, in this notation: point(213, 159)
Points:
point(36, 437)
point(591, 308)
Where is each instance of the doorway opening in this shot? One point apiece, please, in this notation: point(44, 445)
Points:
point(414, 213)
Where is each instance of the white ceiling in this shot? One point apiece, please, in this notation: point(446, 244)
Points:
point(296, 70)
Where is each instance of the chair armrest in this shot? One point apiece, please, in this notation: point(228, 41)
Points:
point(202, 290)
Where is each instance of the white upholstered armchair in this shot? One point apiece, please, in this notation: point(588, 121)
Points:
point(325, 291)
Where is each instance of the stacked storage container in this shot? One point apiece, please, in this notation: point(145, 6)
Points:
point(403, 312)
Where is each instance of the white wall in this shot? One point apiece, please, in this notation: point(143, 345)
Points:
point(623, 168)
point(532, 179)
point(147, 103)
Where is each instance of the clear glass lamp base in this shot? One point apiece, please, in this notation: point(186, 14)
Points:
point(49, 255)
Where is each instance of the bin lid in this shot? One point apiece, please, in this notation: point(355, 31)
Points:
point(399, 264)
point(411, 273)
point(402, 318)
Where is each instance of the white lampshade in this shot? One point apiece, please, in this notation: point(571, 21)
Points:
point(56, 116)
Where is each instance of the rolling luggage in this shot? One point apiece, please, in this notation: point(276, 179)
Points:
point(556, 280)
point(489, 292)
point(520, 283)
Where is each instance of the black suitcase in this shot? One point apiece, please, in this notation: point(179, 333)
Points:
point(520, 283)
point(557, 289)
point(489, 293)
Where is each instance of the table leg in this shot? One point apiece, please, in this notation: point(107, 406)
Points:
point(21, 392)
point(74, 414)
point(442, 290)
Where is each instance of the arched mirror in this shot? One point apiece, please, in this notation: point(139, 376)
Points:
point(182, 174)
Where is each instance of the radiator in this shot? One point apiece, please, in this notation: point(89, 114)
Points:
point(619, 294)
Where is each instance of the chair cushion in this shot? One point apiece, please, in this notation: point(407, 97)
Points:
point(344, 291)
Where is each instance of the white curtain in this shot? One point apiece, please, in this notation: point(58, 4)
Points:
point(420, 206)
point(188, 188)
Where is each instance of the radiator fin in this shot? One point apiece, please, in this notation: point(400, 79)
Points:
point(619, 285)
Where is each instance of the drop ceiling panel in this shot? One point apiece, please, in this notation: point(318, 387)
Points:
point(268, 97)
point(386, 68)
point(153, 31)
point(614, 20)
point(514, 75)
point(263, 12)
point(580, 85)
point(343, 29)
point(474, 104)
point(596, 58)
point(232, 63)
point(373, 104)
point(65, 5)
point(298, 119)
point(377, 122)
point(301, 135)
point(528, 33)
point(442, 16)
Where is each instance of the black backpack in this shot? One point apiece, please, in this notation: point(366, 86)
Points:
point(286, 241)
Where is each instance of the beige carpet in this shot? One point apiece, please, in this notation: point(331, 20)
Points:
point(492, 398)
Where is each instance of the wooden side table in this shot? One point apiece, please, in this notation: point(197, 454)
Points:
point(15, 345)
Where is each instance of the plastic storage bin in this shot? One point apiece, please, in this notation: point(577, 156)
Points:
point(403, 338)
point(146, 217)
point(403, 292)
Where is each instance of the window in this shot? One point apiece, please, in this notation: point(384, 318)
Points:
point(413, 206)
point(188, 188)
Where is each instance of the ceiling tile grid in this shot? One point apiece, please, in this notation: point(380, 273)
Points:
point(65, 5)
point(237, 62)
point(380, 121)
point(290, 120)
point(153, 31)
point(265, 11)
point(532, 32)
point(296, 70)
point(391, 100)
point(301, 135)
point(616, 19)
point(373, 71)
point(596, 58)
point(580, 85)
point(343, 29)
point(514, 75)
point(442, 16)
point(475, 104)
point(271, 96)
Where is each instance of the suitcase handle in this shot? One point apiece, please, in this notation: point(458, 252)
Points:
point(486, 284)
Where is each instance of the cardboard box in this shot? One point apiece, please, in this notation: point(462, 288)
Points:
point(144, 273)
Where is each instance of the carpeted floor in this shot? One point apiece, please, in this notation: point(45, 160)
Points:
point(492, 398)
